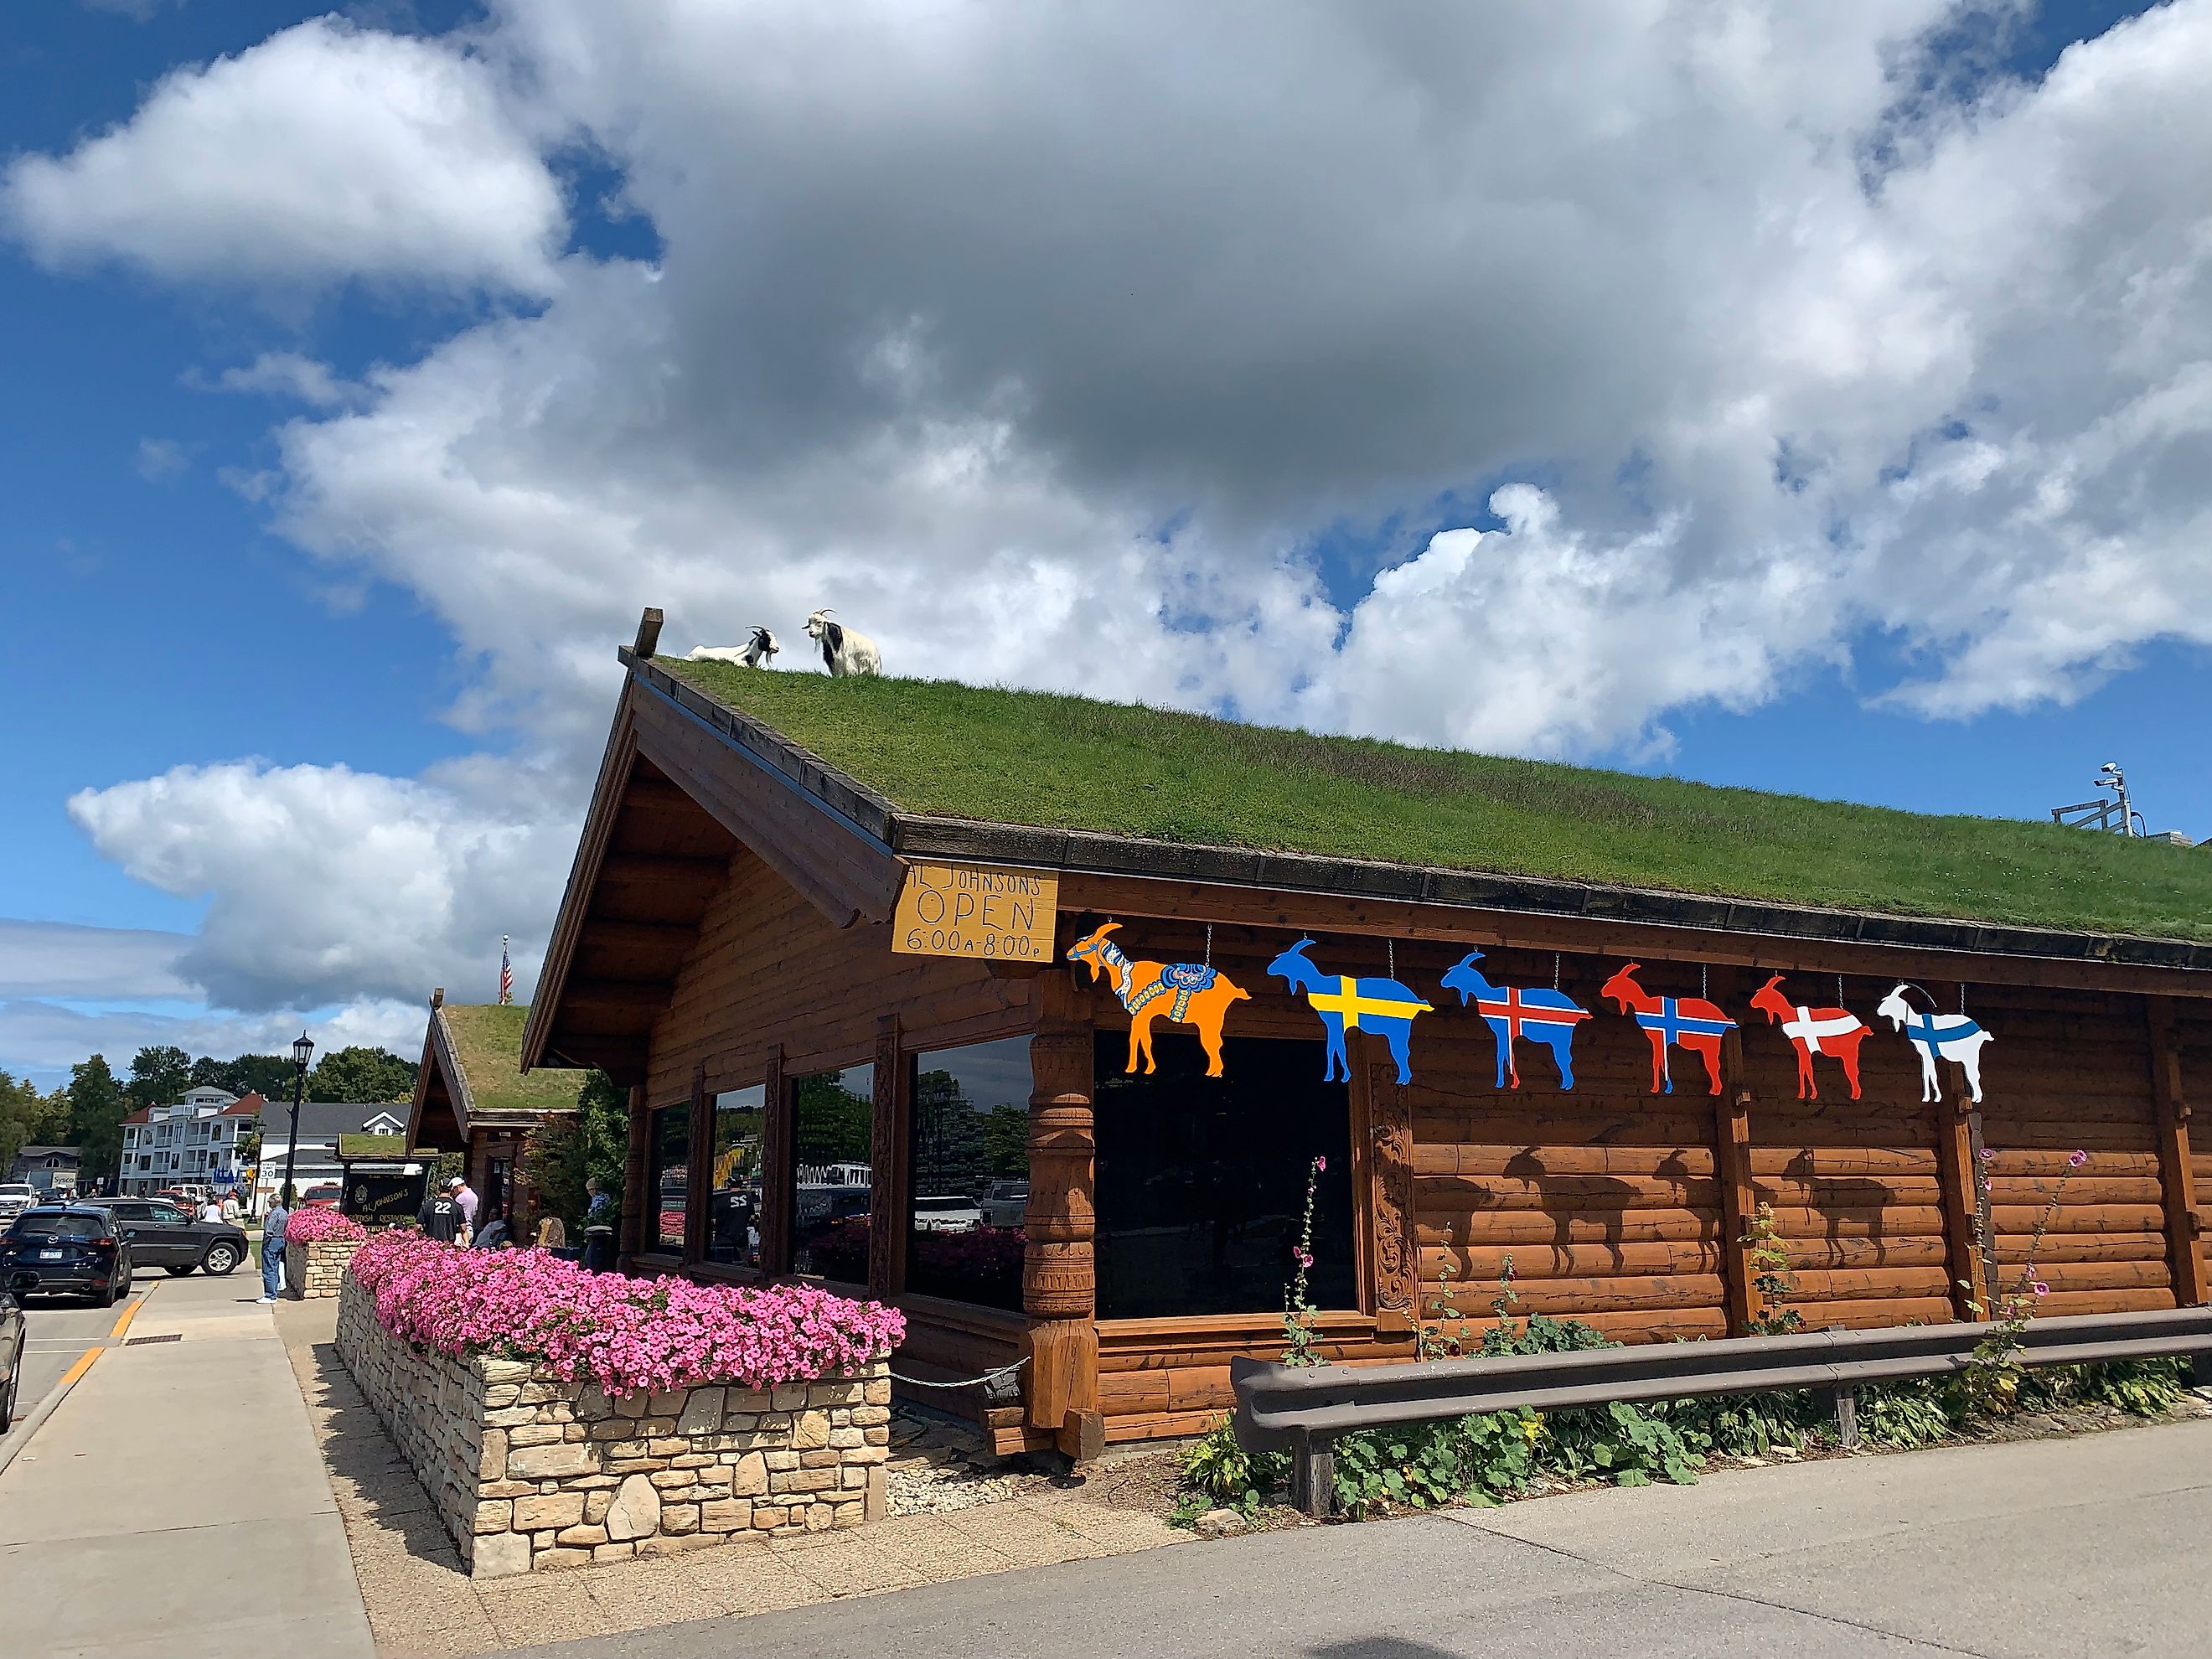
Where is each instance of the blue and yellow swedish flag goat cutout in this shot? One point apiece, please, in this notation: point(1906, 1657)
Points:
point(1381, 1005)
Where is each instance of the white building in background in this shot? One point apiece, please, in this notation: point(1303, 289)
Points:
point(194, 1141)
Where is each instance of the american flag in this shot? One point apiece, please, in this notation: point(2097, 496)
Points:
point(506, 973)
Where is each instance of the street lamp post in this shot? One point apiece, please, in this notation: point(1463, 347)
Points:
point(302, 1052)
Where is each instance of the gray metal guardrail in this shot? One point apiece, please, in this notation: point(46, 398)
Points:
point(1306, 1409)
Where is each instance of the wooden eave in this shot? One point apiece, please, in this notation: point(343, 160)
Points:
point(445, 1112)
point(1131, 875)
point(434, 1119)
point(677, 796)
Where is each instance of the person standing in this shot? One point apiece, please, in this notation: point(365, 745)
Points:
point(600, 1212)
point(441, 1217)
point(272, 1247)
point(230, 1208)
point(465, 1196)
point(211, 1210)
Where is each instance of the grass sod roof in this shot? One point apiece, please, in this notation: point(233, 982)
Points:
point(1065, 762)
point(352, 1147)
point(487, 1042)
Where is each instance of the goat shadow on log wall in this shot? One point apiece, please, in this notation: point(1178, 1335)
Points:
point(1837, 1197)
point(1588, 1197)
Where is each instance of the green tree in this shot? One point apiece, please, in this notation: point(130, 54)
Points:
point(362, 1074)
point(97, 1105)
point(268, 1075)
point(1006, 1142)
point(830, 1124)
point(159, 1074)
point(563, 1150)
point(28, 1118)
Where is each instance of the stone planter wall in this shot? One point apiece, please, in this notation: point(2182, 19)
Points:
point(316, 1269)
point(529, 1473)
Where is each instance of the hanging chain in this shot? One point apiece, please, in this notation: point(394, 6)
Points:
point(1209, 944)
point(1555, 970)
point(1391, 945)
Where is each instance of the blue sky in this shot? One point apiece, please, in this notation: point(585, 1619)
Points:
point(165, 614)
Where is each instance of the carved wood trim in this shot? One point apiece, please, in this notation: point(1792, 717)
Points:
point(888, 1146)
point(775, 1168)
point(1390, 1184)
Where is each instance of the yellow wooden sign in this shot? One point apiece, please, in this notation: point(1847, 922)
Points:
point(976, 910)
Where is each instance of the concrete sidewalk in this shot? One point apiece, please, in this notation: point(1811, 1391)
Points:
point(175, 1504)
point(2054, 1549)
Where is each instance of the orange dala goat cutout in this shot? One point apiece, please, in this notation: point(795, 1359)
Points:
point(1186, 993)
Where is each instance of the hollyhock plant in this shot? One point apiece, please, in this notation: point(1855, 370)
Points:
point(628, 1335)
point(319, 1226)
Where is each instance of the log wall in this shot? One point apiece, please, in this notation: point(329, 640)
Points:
point(1623, 1208)
point(1613, 1205)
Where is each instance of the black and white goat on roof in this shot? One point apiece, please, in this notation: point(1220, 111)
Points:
point(844, 650)
point(754, 653)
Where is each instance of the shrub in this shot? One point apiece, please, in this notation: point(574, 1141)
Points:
point(626, 1334)
point(1225, 1474)
point(318, 1226)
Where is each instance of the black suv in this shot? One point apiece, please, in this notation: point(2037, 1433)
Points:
point(66, 1249)
point(161, 1235)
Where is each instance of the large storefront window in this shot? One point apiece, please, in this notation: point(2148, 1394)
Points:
point(1201, 1180)
point(832, 1131)
point(970, 1173)
point(669, 1156)
point(734, 1205)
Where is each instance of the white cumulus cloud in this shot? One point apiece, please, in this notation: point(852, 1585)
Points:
point(326, 152)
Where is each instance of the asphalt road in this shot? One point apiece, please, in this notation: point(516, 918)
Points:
point(57, 1330)
point(2072, 1549)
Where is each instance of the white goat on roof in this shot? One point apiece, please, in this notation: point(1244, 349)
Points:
point(754, 653)
point(844, 650)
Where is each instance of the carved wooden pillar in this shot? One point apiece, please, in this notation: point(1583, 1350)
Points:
point(631, 1237)
point(1397, 1252)
point(1059, 1269)
point(1732, 1164)
point(699, 1168)
point(891, 1176)
point(1966, 1217)
point(775, 1169)
point(2177, 1173)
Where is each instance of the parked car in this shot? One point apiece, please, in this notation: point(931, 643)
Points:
point(1005, 1203)
point(953, 1214)
point(165, 1235)
point(66, 1249)
point(15, 1197)
point(324, 1197)
point(11, 1357)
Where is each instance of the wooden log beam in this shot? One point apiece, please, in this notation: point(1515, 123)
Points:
point(630, 1237)
point(1732, 1158)
point(1958, 1137)
point(698, 1168)
point(776, 1193)
point(1060, 1283)
point(891, 1148)
point(1278, 911)
point(2177, 1173)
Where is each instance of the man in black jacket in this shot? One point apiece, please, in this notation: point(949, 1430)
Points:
point(441, 1217)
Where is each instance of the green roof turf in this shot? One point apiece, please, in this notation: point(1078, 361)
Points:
point(361, 1145)
point(487, 1039)
point(1026, 757)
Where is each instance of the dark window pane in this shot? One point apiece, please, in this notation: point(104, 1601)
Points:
point(670, 1155)
point(832, 1131)
point(971, 1168)
point(49, 1225)
point(733, 1209)
point(1201, 1180)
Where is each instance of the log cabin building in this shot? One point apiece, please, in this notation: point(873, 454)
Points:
point(832, 1075)
point(472, 1096)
